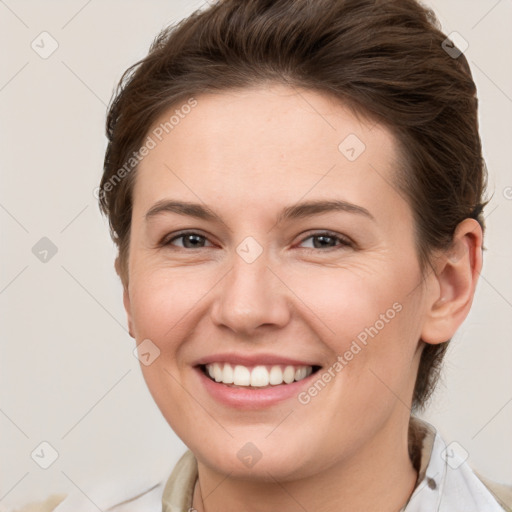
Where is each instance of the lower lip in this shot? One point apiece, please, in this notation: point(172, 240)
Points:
point(252, 398)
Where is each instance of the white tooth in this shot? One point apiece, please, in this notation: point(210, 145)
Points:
point(217, 372)
point(227, 374)
point(241, 376)
point(300, 373)
point(259, 376)
point(276, 375)
point(289, 374)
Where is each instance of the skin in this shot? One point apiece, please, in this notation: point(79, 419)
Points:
point(247, 154)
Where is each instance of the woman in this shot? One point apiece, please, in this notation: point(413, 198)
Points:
point(296, 192)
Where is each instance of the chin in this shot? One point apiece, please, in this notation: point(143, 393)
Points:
point(265, 463)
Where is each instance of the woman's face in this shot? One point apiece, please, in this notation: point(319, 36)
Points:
point(258, 281)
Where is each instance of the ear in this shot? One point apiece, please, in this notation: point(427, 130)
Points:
point(126, 297)
point(455, 278)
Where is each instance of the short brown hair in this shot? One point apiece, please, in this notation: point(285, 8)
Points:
point(384, 59)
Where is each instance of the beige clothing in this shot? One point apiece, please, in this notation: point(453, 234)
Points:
point(445, 484)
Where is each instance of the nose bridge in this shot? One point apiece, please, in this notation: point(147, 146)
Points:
point(251, 295)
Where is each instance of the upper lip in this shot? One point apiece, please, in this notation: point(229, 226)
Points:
point(252, 360)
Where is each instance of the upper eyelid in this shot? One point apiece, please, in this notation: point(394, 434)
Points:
point(167, 239)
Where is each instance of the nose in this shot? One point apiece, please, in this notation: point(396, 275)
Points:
point(251, 297)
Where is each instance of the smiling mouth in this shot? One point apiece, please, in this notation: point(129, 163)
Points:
point(256, 377)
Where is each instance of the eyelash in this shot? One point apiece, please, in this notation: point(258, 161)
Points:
point(345, 241)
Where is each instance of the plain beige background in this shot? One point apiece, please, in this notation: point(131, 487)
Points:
point(68, 374)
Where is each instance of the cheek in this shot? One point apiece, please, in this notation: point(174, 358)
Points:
point(347, 300)
point(163, 300)
point(163, 304)
point(370, 320)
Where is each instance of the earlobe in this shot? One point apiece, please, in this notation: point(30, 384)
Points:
point(126, 298)
point(453, 284)
point(127, 307)
point(117, 266)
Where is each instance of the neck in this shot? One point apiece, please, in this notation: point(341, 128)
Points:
point(381, 469)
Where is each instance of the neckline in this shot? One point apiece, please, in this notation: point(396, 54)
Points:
point(179, 488)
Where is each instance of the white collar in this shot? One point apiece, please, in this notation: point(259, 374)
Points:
point(447, 483)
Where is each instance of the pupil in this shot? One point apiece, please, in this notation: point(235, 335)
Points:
point(193, 238)
point(323, 237)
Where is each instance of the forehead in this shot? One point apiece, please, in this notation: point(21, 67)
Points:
point(268, 146)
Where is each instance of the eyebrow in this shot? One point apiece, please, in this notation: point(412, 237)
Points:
point(296, 211)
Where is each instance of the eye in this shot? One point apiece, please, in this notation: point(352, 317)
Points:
point(321, 240)
point(328, 240)
point(190, 240)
